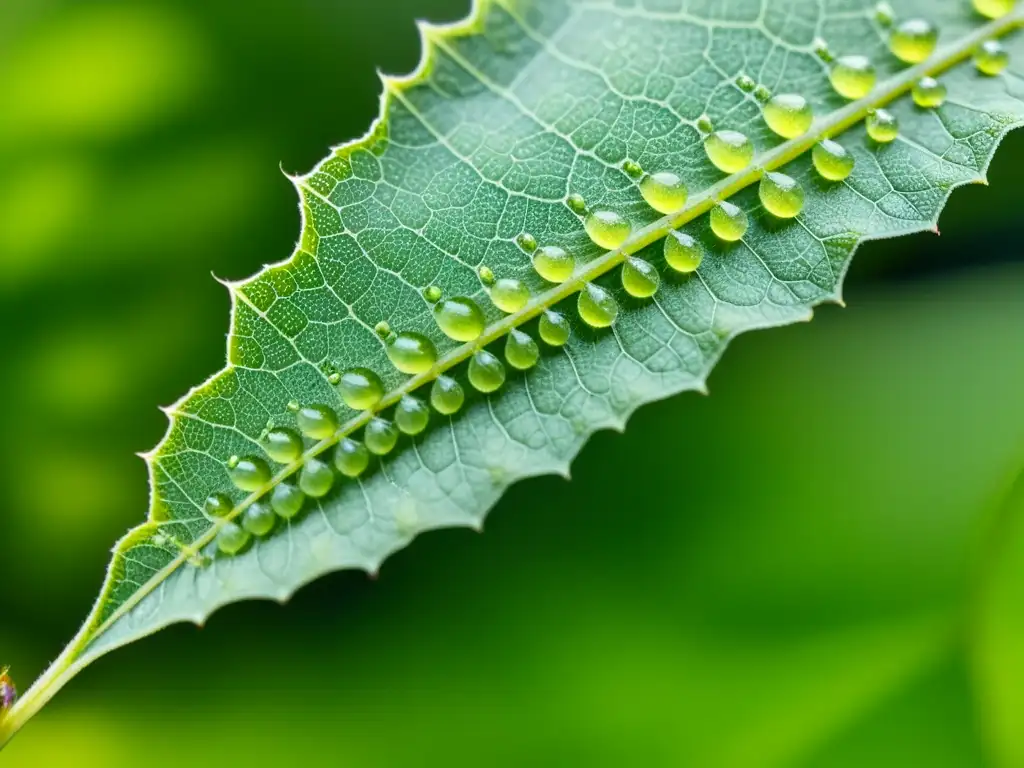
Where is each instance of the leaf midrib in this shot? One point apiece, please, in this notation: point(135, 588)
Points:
point(74, 656)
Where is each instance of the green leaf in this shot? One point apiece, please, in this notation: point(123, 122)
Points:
point(477, 156)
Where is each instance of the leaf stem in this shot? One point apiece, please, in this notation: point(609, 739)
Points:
point(75, 655)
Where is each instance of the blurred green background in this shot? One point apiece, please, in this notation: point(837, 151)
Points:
point(820, 565)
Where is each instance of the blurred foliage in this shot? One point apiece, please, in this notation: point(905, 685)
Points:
point(820, 565)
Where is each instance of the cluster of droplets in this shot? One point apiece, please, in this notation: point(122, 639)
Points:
point(463, 320)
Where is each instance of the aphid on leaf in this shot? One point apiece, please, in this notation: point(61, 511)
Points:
point(8, 693)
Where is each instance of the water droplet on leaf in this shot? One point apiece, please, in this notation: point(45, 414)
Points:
point(412, 353)
point(664, 192)
point(510, 295)
point(929, 93)
point(250, 474)
point(383, 329)
point(553, 264)
point(258, 519)
point(913, 40)
point(853, 77)
point(883, 126)
point(351, 457)
point(521, 350)
point(361, 389)
point(746, 83)
point(781, 195)
point(218, 505)
point(411, 415)
point(287, 500)
point(682, 252)
point(317, 421)
point(554, 328)
point(729, 221)
point(380, 436)
point(884, 14)
point(730, 151)
point(316, 478)
point(704, 124)
point(460, 319)
point(832, 160)
point(597, 306)
point(789, 115)
point(282, 445)
point(447, 396)
point(486, 372)
point(231, 538)
point(991, 57)
point(640, 279)
point(432, 294)
point(607, 229)
point(993, 9)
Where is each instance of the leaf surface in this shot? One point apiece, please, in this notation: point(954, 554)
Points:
point(511, 112)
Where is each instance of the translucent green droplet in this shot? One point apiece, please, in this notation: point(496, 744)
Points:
point(334, 378)
point(527, 242)
point(553, 263)
point(746, 83)
point(664, 192)
point(883, 126)
point(250, 474)
point(929, 93)
point(460, 318)
point(781, 195)
point(293, 406)
point(447, 396)
point(361, 389)
point(412, 353)
point(576, 204)
point(411, 415)
point(258, 519)
point(432, 294)
point(607, 229)
point(640, 279)
point(351, 457)
point(380, 436)
point(730, 151)
point(993, 9)
point(632, 168)
point(991, 57)
point(486, 372)
point(218, 505)
point(682, 252)
point(316, 478)
point(486, 274)
point(597, 307)
point(287, 500)
point(554, 328)
point(789, 115)
point(383, 329)
point(762, 93)
point(521, 350)
point(231, 538)
point(884, 14)
point(729, 221)
point(853, 77)
point(510, 295)
point(704, 124)
point(317, 421)
point(282, 445)
point(832, 160)
point(913, 40)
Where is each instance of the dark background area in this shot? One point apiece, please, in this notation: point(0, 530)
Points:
point(817, 565)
